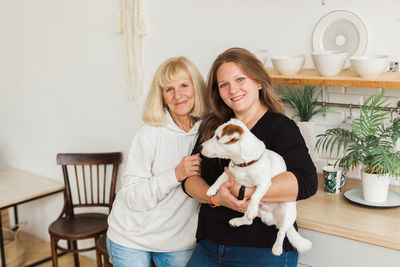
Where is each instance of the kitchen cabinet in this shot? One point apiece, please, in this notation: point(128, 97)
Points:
point(348, 234)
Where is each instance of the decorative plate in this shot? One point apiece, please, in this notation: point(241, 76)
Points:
point(355, 195)
point(340, 30)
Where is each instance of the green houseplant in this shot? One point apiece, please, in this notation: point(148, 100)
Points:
point(304, 103)
point(369, 144)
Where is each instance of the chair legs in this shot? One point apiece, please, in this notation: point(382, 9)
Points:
point(102, 260)
point(76, 255)
point(53, 244)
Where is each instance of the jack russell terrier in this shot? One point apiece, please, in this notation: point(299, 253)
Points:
point(253, 165)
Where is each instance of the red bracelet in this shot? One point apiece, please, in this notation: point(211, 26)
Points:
point(213, 203)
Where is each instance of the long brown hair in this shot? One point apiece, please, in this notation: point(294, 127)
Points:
point(253, 69)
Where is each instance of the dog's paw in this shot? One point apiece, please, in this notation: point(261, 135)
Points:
point(304, 245)
point(277, 250)
point(239, 221)
point(212, 191)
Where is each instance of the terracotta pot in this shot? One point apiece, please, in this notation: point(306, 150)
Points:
point(375, 187)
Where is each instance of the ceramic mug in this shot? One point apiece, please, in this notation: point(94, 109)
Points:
point(334, 179)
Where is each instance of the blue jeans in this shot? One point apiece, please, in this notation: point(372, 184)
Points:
point(128, 257)
point(210, 254)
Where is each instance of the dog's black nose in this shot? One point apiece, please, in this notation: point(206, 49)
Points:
point(201, 147)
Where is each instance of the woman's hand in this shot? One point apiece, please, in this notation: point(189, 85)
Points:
point(189, 166)
point(225, 198)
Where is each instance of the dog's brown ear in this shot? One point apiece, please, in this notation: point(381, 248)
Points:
point(230, 134)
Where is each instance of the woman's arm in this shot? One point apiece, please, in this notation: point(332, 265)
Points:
point(283, 188)
point(197, 188)
point(142, 189)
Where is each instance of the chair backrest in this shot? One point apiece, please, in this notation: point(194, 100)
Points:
point(88, 181)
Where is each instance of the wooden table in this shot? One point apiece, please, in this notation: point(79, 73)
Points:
point(335, 215)
point(18, 187)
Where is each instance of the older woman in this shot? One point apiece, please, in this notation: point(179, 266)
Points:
point(152, 218)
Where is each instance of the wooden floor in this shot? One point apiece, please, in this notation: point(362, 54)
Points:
point(37, 249)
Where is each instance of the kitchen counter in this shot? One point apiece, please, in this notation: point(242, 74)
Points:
point(335, 215)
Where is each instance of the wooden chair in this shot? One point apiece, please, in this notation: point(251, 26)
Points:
point(103, 259)
point(102, 253)
point(91, 186)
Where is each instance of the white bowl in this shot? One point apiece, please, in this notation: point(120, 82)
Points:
point(288, 64)
point(262, 55)
point(329, 63)
point(369, 66)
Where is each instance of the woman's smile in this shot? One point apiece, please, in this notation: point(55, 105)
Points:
point(237, 98)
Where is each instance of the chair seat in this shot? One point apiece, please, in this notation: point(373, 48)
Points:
point(81, 226)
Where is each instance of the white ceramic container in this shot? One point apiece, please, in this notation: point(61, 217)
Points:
point(288, 64)
point(262, 55)
point(369, 66)
point(329, 63)
point(375, 187)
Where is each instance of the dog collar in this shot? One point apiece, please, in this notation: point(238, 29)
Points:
point(246, 164)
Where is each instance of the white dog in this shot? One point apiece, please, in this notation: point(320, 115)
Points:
point(253, 165)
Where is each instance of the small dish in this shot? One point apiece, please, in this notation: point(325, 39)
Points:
point(369, 66)
point(288, 64)
point(355, 195)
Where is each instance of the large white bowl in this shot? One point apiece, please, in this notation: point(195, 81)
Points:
point(329, 63)
point(369, 66)
point(288, 64)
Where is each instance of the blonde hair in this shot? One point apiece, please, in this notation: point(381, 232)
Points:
point(169, 71)
point(253, 69)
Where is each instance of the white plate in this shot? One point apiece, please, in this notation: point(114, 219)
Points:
point(340, 30)
point(355, 195)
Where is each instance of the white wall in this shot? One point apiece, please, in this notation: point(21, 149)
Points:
point(62, 80)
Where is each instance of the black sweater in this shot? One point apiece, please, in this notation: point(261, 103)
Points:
point(281, 135)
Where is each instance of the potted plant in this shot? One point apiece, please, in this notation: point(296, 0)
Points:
point(304, 103)
point(370, 144)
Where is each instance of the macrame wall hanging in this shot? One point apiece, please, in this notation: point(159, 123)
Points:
point(132, 26)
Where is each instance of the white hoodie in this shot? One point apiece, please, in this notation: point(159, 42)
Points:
point(151, 212)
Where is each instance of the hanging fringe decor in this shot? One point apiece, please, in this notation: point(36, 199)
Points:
point(131, 24)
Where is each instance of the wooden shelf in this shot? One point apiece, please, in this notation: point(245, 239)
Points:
point(335, 215)
point(347, 78)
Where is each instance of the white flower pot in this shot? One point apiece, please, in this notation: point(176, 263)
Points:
point(375, 187)
point(308, 133)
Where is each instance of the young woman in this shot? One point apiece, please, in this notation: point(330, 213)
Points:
point(238, 86)
point(151, 217)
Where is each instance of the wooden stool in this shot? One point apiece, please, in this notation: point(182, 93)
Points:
point(102, 253)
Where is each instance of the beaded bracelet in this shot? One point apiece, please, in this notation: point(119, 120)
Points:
point(213, 204)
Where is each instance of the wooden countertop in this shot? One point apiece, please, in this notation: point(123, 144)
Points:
point(335, 215)
point(346, 78)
